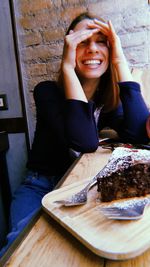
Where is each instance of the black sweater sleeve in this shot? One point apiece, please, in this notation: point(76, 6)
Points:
point(71, 121)
point(129, 119)
point(81, 129)
point(135, 112)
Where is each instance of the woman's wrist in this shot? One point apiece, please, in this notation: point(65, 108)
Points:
point(67, 68)
point(119, 59)
point(119, 62)
point(122, 69)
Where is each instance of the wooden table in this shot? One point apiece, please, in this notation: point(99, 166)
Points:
point(49, 244)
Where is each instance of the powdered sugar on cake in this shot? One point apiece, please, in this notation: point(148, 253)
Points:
point(122, 158)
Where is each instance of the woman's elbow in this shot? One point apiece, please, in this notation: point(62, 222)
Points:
point(90, 149)
point(86, 147)
point(135, 138)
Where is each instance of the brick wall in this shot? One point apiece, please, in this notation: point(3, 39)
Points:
point(41, 25)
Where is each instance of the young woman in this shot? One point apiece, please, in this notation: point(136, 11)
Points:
point(95, 90)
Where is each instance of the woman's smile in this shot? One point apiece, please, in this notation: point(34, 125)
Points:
point(92, 62)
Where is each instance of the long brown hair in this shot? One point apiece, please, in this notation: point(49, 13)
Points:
point(108, 93)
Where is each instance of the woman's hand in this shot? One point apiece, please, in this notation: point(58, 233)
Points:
point(72, 85)
point(72, 40)
point(114, 43)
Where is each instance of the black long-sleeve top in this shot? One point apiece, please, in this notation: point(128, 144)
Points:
point(63, 124)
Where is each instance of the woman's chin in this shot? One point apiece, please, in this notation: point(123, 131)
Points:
point(92, 73)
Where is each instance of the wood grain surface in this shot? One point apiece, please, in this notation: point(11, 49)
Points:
point(108, 238)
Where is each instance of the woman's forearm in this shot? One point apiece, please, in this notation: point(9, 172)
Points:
point(72, 86)
point(122, 70)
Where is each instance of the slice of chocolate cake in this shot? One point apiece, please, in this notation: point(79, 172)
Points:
point(127, 174)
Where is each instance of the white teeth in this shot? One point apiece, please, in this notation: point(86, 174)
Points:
point(92, 61)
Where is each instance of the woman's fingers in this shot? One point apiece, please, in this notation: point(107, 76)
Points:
point(111, 26)
point(77, 37)
point(97, 24)
point(101, 24)
point(105, 28)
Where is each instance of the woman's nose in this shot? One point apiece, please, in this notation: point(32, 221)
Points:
point(93, 47)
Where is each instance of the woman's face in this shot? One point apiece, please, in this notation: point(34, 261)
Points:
point(92, 55)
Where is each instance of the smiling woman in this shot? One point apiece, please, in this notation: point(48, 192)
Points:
point(95, 90)
point(90, 60)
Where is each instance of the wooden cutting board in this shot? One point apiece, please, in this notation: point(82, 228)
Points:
point(105, 237)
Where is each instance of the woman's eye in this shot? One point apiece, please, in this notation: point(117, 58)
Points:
point(83, 42)
point(101, 41)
